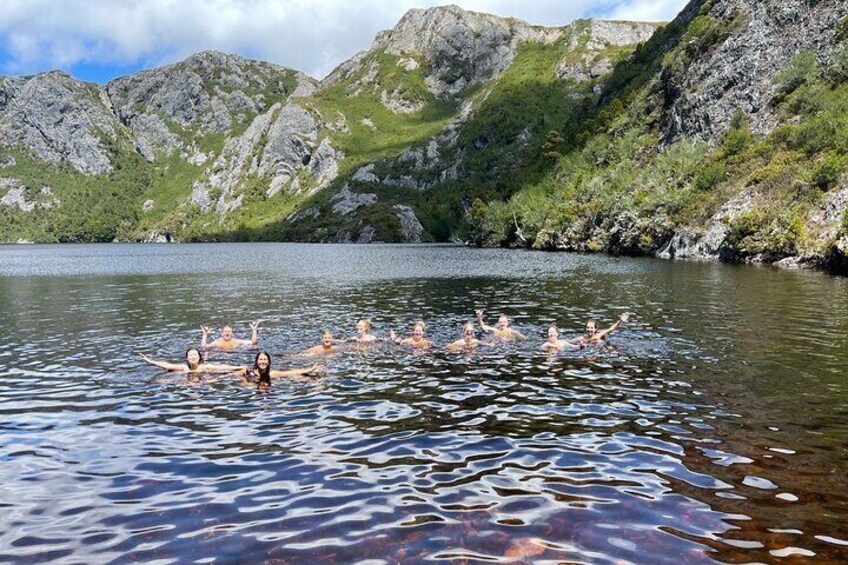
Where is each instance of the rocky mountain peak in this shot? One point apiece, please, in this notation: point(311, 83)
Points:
point(59, 117)
point(210, 92)
point(460, 47)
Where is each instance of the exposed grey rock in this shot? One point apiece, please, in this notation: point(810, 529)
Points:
point(758, 39)
point(827, 217)
point(148, 205)
point(209, 92)
point(368, 123)
point(410, 227)
point(460, 47)
point(153, 135)
point(707, 243)
point(58, 118)
point(598, 36)
point(7, 161)
point(605, 33)
point(365, 174)
point(396, 103)
point(346, 201)
point(275, 146)
point(404, 181)
point(15, 198)
point(408, 64)
point(366, 234)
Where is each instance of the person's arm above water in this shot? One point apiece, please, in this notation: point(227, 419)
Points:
point(254, 336)
point(299, 372)
point(394, 338)
point(203, 341)
point(621, 319)
point(163, 364)
point(479, 314)
point(515, 334)
point(221, 368)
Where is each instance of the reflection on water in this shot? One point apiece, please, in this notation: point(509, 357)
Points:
point(714, 430)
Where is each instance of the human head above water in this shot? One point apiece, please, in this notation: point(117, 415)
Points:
point(327, 339)
point(227, 333)
point(553, 333)
point(363, 325)
point(503, 321)
point(418, 330)
point(591, 328)
point(468, 331)
point(193, 357)
point(262, 365)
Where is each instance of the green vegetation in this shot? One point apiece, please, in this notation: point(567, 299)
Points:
point(541, 162)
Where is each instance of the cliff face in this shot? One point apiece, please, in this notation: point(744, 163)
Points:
point(59, 119)
point(719, 135)
point(734, 53)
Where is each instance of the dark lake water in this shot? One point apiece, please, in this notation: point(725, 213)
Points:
point(714, 429)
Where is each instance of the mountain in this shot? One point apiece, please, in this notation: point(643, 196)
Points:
point(721, 134)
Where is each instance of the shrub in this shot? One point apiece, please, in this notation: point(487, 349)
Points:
point(827, 171)
point(710, 176)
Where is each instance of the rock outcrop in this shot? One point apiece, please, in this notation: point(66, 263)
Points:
point(59, 119)
point(733, 59)
point(276, 146)
point(208, 93)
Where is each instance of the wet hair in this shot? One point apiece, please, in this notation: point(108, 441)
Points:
point(468, 325)
point(367, 323)
point(264, 376)
point(199, 354)
point(419, 324)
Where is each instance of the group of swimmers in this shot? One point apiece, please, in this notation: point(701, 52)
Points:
point(262, 374)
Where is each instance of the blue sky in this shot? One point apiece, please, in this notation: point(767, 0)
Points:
point(98, 40)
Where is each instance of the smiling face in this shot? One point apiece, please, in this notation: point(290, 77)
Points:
point(591, 330)
point(226, 333)
point(193, 358)
point(263, 361)
point(361, 328)
point(503, 322)
point(327, 340)
point(553, 334)
point(468, 333)
point(418, 332)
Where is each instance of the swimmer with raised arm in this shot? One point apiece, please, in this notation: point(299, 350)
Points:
point(469, 339)
point(326, 348)
point(502, 331)
point(227, 341)
point(417, 339)
point(593, 336)
point(262, 374)
point(555, 344)
point(362, 332)
point(193, 364)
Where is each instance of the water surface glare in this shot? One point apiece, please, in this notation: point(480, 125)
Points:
point(713, 429)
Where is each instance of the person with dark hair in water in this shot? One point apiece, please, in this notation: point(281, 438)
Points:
point(227, 341)
point(593, 336)
point(502, 331)
point(194, 363)
point(262, 374)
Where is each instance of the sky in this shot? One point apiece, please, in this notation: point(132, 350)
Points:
point(98, 40)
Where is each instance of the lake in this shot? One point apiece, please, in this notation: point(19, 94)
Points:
point(714, 428)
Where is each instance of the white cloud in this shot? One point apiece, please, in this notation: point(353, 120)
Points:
point(313, 36)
